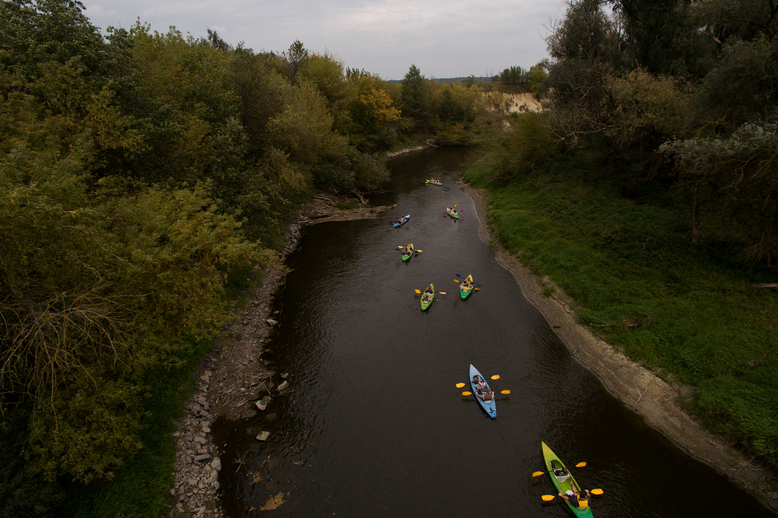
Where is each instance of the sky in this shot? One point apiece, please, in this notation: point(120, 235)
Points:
point(443, 38)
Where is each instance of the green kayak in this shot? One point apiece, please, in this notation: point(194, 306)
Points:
point(427, 297)
point(408, 252)
point(466, 288)
point(451, 212)
point(563, 482)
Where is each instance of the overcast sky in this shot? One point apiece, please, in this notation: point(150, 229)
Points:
point(443, 38)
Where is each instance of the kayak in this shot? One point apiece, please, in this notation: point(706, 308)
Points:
point(451, 212)
point(402, 221)
point(427, 297)
point(564, 482)
point(466, 288)
point(489, 406)
point(408, 252)
point(434, 182)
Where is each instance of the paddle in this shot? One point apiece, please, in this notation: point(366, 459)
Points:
point(548, 498)
point(457, 275)
point(506, 392)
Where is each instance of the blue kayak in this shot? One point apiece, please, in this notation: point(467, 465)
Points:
point(402, 221)
point(480, 391)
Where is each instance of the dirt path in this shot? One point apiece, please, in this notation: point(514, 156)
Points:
point(635, 386)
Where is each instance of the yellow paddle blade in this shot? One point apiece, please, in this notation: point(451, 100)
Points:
point(456, 280)
point(417, 291)
point(496, 377)
point(456, 204)
point(419, 251)
point(467, 393)
point(505, 392)
point(580, 465)
point(478, 289)
point(547, 498)
point(460, 385)
point(400, 246)
point(596, 491)
point(538, 474)
point(442, 292)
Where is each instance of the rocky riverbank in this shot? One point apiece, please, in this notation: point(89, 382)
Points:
point(234, 380)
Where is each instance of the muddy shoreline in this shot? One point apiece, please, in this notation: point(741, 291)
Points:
point(234, 378)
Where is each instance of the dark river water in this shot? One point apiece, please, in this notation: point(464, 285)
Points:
point(375, 426)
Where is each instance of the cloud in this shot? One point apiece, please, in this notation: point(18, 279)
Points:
point(444, 38)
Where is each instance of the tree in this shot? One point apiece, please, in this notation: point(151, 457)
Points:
point(659, 36)
point(41, 31)
point(741, 174)
point(415, 101)
point(373, 114)
point(295, 58)
point(326, 73)
point(536, 77)
point(512, 76)
point(585, 50)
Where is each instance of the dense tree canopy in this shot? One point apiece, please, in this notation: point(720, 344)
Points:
point(133, 171)
point(701, 74)
point(140, 174)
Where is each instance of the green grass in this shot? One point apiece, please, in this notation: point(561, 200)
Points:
point(637, 280)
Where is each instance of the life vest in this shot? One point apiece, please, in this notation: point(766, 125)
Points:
point(583, 504)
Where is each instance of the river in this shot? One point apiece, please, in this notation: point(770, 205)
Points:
point(374, 425)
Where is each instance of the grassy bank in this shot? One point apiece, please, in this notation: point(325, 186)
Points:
point(690, 312)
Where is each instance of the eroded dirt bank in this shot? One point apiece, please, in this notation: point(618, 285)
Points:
point(635, 386)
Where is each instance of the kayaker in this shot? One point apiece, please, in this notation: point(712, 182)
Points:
point(570, 497)
point(560, 472)
point(579, 500)
point(583, 499)
point(486, 395)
